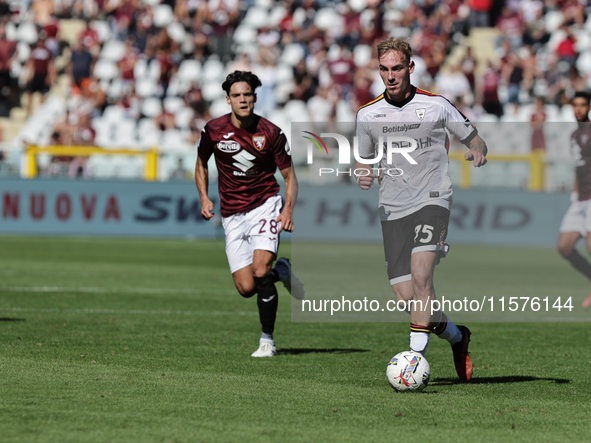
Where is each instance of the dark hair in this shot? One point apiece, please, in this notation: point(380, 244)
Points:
point(582, 94)
point(241, 76)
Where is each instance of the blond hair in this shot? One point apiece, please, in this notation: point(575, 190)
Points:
point(394, 44)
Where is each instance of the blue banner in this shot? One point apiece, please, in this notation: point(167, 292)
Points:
point(323, 213)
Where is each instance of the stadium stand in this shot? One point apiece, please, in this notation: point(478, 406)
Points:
point(157, 67)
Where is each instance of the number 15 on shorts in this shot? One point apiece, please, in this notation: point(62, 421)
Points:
point(424, 233)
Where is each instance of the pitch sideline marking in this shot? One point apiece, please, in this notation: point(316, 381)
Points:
point(108, 290)
point(132, 311)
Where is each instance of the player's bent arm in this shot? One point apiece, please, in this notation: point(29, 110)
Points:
point(202, 182)
point(477, 152)
point(291, 195)
point(364, 175)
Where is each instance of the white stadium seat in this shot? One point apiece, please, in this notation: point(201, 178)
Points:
point(212, 90)
point(245, 34)
point(189, 70)
point(176, 31)
point(219, 108)
point(283, 74)
point(362, 55)
point(292, 54)
point(173, 104)
point(163, 15)
point(146, 87)
point(277, 14)
point(23, 51)
point(256, 17)
point(213, 70)
point(27, 33)
point(103, 30)
point(113, 113)
point(325, 18)
point(183, 117)
point(151, 107)
point(154, 69)
point(105, 69)
point(140, 69)
point(113, 50)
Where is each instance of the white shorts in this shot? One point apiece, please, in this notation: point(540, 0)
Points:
point(577, 218)
point(253, 230)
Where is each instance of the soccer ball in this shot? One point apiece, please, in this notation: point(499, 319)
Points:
point(408, 371)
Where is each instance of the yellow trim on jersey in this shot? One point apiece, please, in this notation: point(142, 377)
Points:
point(428, 92)
point(371, 102)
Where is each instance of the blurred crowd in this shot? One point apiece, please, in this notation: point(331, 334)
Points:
point(160, 64)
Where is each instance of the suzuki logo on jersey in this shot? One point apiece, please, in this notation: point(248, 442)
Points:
point(420, 113)
point(229, 146)
point(243, 161)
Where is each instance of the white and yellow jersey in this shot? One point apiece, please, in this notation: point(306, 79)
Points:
point(406, 187)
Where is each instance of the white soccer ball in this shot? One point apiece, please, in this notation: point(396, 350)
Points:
point(408, 371)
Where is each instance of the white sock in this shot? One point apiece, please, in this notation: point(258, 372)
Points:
point(419, 342)
point(451, 333)
point(266, 338)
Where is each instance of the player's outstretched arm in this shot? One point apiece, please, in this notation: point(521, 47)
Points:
point(364, 180)
point(291, 194)
point(202, 182)
point(477, 152)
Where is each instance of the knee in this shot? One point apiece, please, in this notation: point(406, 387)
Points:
point(246, 289)
point(261, 271)
point(421, 282)
point(401, 296)
point(566, 249)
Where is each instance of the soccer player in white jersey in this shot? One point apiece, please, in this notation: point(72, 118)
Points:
point(415, 196)
point(577, 220)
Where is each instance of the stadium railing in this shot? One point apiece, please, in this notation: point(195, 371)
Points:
point(536, 161)
point(151, 156)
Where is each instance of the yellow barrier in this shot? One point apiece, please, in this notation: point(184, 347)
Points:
point(536, 162)
point(31, 152)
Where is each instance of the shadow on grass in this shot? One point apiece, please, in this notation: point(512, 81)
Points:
point(494, 380)
point(11, 319)
point(296, 351)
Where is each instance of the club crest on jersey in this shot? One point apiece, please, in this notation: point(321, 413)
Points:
point(228, 146)
point(420, 113)
point(259, 141)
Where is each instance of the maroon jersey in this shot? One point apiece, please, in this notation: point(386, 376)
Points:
point(41, 58)
point(581, 150)
point(246, 160)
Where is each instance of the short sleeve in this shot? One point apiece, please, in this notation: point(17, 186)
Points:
point(458, 124)
point(282, 151)
point(205, 145)
point(366, 144)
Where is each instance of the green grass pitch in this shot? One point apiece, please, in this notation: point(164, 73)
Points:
point(147, 340)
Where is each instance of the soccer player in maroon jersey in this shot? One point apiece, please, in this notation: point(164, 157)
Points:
point(248, 149)
point(577, 220)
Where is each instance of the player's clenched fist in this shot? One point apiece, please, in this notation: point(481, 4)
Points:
point(365, 181)
point(206, 208)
